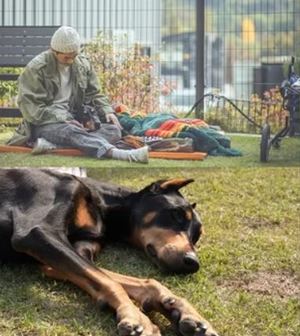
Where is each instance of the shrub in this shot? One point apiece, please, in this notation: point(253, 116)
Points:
point(268, 108)
point(126, 75)
point(9, 89)
point(271, 108)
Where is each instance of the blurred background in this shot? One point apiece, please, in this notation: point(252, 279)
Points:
point(239, 49)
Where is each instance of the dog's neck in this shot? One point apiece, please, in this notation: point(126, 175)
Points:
point(117, 223)
point(118, 206)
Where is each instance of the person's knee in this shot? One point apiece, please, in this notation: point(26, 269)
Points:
point(74, 129)
point(115, 130)
point(110, 132)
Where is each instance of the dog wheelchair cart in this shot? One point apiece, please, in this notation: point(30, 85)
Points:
point(290, 91)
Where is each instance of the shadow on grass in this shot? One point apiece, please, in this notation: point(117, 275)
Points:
point(251, 222)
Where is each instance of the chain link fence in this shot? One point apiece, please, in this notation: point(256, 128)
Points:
point(247, 46)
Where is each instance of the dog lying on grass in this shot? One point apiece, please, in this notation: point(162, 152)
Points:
point(60, 220)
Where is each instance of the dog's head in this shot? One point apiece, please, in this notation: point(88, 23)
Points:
point(167, 226)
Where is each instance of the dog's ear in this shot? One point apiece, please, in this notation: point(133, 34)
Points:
point(175, 184)
point(164, 186)
point(91, 193)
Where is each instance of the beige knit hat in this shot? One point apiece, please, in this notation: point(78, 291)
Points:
point(65, 40)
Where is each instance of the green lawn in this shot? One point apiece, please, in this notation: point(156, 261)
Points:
point(287, 155)
point(249, 281)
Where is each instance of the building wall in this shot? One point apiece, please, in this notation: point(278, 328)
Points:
point(139, 19)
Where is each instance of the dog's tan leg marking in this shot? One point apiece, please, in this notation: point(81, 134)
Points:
point(152, 295)
point(103, 288)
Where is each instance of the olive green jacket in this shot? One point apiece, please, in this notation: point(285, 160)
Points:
point(38, 85)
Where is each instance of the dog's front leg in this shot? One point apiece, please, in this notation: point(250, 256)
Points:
point(152, 295)
point(63, 262)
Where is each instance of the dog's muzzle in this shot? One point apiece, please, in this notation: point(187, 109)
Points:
point(174, 261)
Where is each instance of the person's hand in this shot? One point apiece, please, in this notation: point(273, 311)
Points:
point(112, 118)
point(75, 123)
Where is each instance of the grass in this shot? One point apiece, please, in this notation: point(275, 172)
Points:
point(249, 281)
point(287, 155)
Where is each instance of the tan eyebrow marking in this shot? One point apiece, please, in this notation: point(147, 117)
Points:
point(189, 215)
point(148, 218)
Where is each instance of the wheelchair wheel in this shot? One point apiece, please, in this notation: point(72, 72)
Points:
point(264, 143)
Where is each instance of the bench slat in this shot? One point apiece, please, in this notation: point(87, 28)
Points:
point(11, 40)
point(10, 112)
point(13, 61)
point(9, 77)
point(18, 46)
point(27, 30)
point(11, 51)
point(33, 50)
point(23, 41)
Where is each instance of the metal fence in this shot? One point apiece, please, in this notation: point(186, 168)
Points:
point(245, 44)
point(249, 44)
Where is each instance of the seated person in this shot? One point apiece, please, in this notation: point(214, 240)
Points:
point(53, 89)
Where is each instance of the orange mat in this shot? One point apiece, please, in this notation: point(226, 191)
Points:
point(178, 155)
point(76, 152)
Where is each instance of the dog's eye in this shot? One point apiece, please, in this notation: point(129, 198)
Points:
point(179, 215)
point(195, 235)
point(195, 232)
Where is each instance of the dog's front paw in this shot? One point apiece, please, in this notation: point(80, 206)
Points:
point(185, 319)
point(132, 322)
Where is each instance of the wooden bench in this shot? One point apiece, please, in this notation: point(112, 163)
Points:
point(18, 45)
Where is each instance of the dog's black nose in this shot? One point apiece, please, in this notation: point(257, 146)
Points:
point(191, 262)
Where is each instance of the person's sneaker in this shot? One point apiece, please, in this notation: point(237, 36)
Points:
point(133, 155)
point(42, 146)
point(139, 155)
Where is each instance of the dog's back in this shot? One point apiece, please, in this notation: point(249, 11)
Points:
point(23, 190)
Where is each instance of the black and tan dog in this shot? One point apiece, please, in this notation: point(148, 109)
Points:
point(60, 220)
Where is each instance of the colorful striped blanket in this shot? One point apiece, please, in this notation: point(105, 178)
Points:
point(205, 138)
